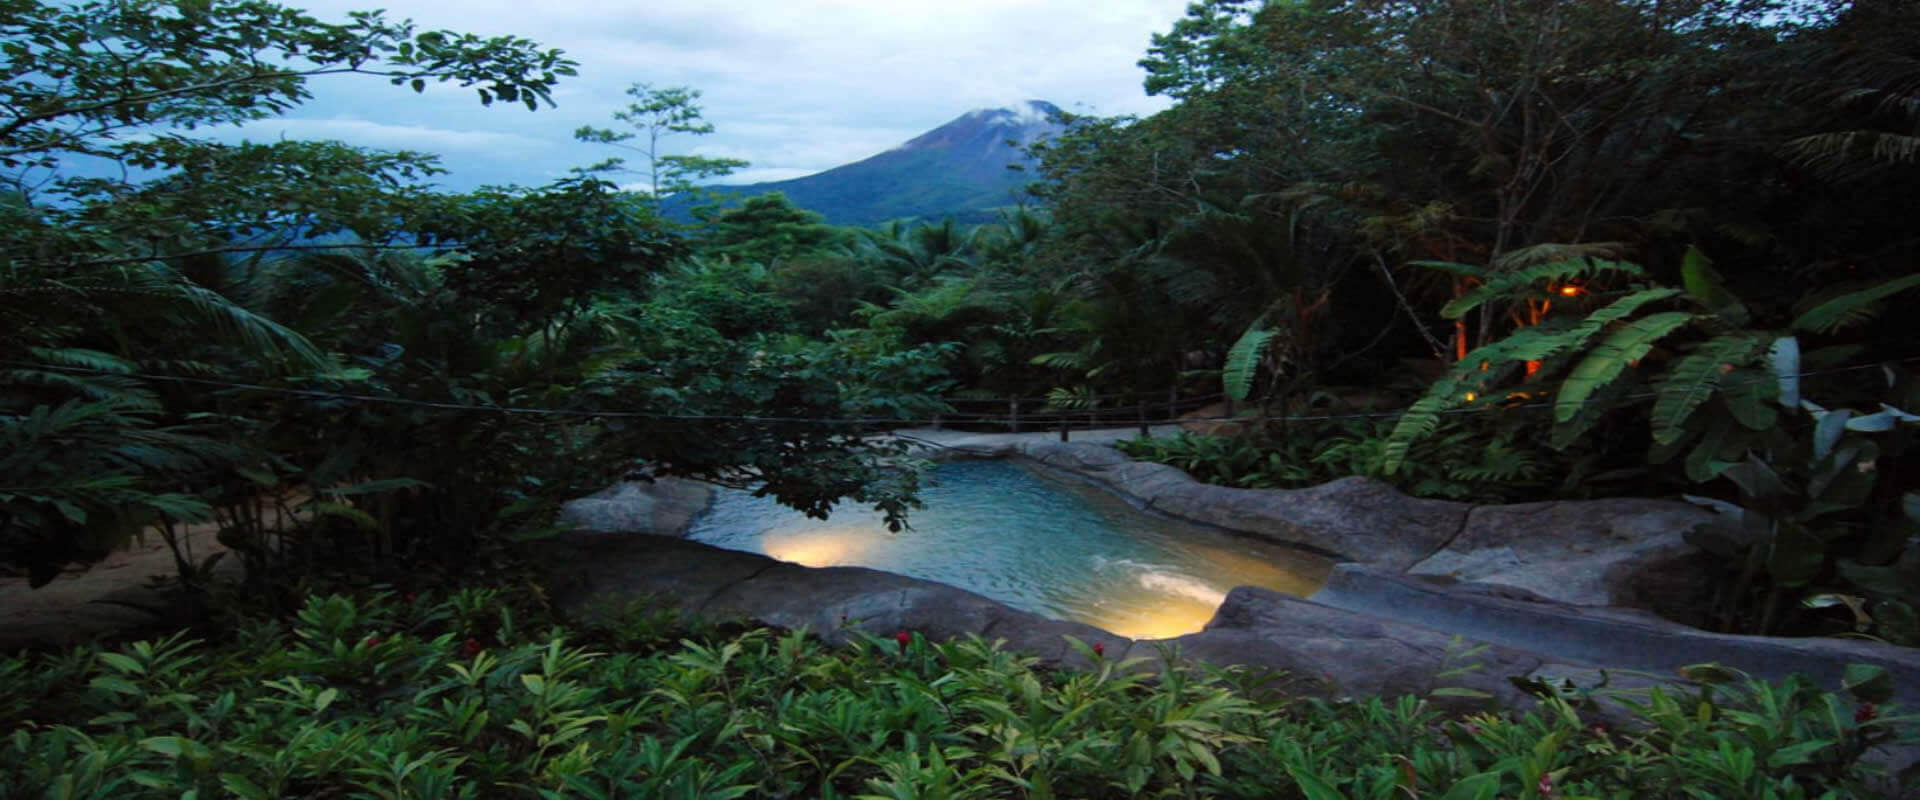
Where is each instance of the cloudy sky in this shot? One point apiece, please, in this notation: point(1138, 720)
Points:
point(794, 86)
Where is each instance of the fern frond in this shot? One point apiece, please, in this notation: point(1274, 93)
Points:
point(1061, 360)
point(1848, 153)
point(1457, 268)
point(1613, 312)
point(1851, 308)
point(83, 359)
point(1605, 399)
point(1243, 360)
point(1446, 393)
point(1507, 283)
point(1610, 358)
point(1695, 378)
point(1536, 255)
point(1064, 397)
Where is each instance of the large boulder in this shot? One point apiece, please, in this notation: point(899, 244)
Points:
point(700, 580)
point(1618, 638)
point(1356, 519)
point(1589, 552)
point(1353, 653)
point(1625, 552)
point(663, 506)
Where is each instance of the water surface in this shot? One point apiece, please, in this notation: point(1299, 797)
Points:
point(1042, 543)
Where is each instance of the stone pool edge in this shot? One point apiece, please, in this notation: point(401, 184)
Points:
point(1372, 629)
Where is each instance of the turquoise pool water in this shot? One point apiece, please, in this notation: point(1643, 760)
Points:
point(1043, 543)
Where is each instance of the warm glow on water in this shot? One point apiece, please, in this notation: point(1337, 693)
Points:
point(838, 547)
point(1046, 544)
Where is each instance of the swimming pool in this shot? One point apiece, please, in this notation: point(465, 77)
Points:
point(1035, 541)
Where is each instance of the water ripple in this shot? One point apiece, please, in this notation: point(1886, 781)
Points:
point(1035, 542)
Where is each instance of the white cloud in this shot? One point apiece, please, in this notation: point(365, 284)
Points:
point(764, 175)
point(790, 85)
point(389, 136)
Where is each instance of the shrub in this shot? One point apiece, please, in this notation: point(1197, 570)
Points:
point(378, 696)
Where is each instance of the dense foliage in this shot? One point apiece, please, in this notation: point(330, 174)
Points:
point(343, 370)
point(383, 696)
point(1495, 215)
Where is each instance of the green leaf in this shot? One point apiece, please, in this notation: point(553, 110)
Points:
point(1480, 786)
point(1797, 753)
point(1795, 557)
point(1313, 786)
point(176, 747)
point(1749, 397)
point(1838, 312)
point(124, 663)
point(1886, 419)
point(1869, 682)
point(1460, 691)
point(1694, 379)
point(1784, 356)
point(1756, 478)
point(1610, 358)
point(241, 786)
point(346, 512)
point(1827, 432)
point(1705, 285)
point(1243, 361)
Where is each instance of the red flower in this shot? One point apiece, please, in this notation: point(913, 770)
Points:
point(470, 648)
point(1546, 785)
point(371, 641)
point(1099, 649)
point(1865, 713)
point(904, 639)
point(411, 596)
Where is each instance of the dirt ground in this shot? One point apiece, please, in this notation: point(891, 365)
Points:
point(108, 598)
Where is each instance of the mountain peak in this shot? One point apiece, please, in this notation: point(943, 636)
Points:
point(992, 128)
point(1031, 112)
point(959, 170)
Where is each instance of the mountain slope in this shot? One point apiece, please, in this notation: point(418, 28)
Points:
point(959, 169)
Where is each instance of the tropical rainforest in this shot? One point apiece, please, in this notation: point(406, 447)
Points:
point(1498, 250)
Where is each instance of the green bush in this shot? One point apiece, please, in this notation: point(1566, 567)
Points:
point(1490, 461)
point(389, 697)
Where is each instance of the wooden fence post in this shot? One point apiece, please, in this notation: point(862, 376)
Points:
point(1013, 414)
point(1145, 432)
point(1063, 426)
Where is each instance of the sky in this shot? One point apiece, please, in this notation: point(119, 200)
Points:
point(793, 86)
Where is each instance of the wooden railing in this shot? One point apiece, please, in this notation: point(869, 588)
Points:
point(1031, 414)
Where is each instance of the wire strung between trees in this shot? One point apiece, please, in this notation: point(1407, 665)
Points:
point(1065, 416)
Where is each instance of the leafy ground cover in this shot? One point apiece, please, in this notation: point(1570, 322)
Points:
point(397, 696)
